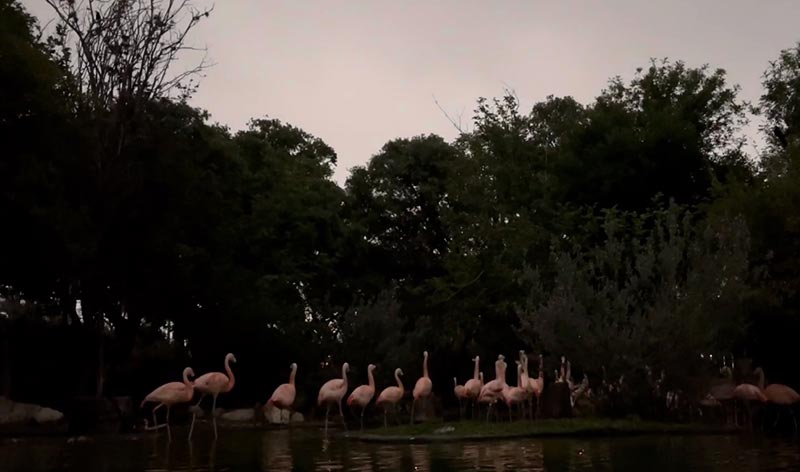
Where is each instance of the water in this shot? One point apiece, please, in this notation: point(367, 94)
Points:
point(307, 450)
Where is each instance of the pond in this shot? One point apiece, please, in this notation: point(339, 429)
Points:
point(303, 449)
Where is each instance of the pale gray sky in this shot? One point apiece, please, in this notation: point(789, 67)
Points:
point(359, 73)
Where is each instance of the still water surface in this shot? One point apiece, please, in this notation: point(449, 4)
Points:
point(308, 450)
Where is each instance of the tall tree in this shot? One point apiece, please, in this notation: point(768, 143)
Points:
point(671, 130)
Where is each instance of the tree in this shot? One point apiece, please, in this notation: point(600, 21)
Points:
point(672, 130)
point(780, 107)
point(661, 288)
point(118, 58)
point(397, 202)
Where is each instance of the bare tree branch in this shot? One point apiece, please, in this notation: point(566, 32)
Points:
point(457, 126)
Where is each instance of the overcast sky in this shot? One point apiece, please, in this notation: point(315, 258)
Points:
point(359, 73)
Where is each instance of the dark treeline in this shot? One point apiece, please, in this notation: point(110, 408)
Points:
point(630, 233)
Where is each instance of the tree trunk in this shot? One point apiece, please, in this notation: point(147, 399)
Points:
point(100, 378)
point(5, 333)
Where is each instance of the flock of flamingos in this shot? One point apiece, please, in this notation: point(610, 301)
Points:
point(474, 391)
point(334, 391)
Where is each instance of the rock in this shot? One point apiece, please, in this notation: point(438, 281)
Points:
point(556, 401)
point(47, 415)
point(22, 413)
point(297, 417)
point(272, 414)
point(276, 415)
point(243, 414)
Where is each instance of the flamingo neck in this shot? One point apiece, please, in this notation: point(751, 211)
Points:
point(291, 376)
point(475, 372)
point(186, 380)
point(425, 367)
point(371, 379)
point(503, 374)
point(399, 383)
point(498, 369)
point(519, 375)
point(344, 376)
point(231, 378)
point(761, 379)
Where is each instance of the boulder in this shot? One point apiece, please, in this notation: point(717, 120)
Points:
point(556, 401)
point(276, 415)
point(47, 415)
point(22, 413)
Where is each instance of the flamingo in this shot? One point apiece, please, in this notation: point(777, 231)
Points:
point(214, 383)
point(515, 395)
point(461, 394)
point(391, 396)
point(783, 396)
point(493, 391)
point(283, 396)
point(170, 394)
point(474, 385)
point(524, 379)
point(332, 392)
point(423, 387)
point(363, 394)
point(748, 393)
point(536, 386)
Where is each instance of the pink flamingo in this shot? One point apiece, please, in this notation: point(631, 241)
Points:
point(283, 396)
point(170, 394)
point(333, 391)
point(474, 385)
point(363, 394)
point(748, 393)
point(461, 394)
point(536, 386)
point(391, 396)
point(214, 383)
point(783, 396)
point(423, 387)
point(492, 391)
point(515, 395)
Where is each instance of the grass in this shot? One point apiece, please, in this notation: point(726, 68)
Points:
point(478, 430)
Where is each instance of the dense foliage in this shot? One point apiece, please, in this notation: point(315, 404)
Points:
point(138, 237)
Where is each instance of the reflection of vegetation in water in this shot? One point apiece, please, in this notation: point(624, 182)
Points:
point(252, 451)
point(544, 427)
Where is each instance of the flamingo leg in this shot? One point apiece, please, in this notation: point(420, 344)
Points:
point(341, 412)
point(155, 421)
point(214, 415)
point(488, 411)
point(385, 423)
point(413, 401)
point(194, 415)
point(169, 431)
point(362, 417)
point(327, 411)
point(777, 417)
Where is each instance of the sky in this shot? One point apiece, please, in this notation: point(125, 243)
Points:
point(359, 73)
